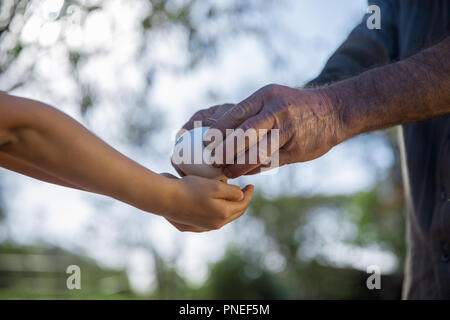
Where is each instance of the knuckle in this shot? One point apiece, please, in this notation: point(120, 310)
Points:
point(254, 122)
point(222, 109)
point(227, 105)
point(271, 89)
point(203, 113)
point(222, 214)
point(238, 112)
point(289, 107)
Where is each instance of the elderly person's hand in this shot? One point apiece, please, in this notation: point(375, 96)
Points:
point(308, 124)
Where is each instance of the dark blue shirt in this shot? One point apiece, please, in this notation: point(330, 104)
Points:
point(407, 27)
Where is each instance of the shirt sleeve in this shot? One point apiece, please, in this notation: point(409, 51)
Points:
point(364, 48)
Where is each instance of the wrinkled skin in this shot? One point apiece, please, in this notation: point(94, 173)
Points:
point(307, 122)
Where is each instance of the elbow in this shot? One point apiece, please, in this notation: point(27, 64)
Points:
point(19, 120)
point(8, 139)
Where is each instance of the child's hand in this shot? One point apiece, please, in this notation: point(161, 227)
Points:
point(202, 204)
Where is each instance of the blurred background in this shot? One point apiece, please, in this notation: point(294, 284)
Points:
point(133, 72)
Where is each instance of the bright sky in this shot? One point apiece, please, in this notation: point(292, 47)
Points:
point(304, 32)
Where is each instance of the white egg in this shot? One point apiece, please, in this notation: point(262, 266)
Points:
point(188, 155)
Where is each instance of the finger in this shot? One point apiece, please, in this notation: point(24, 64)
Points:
point(265, 152)
point(201, 115)
point(239, 113)
point(239, 208)
point(283, 159)
point(246, 162)
point(229, 192)
point(248, 134)
point(208, 116)
point(221, 110)
point(236, 170)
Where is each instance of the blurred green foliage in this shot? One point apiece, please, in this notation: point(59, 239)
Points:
point(161, 15)
point(241, 273)
point(377, 221)
point(34, 272)
point(377, 216)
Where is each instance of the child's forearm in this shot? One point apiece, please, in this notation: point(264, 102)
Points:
point(40, 141)
point(59, 148)
point(20, 166)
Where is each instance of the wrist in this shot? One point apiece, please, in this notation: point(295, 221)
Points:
point(172, 198)
point(167, 195)
point(339, 101)
point(151, 192)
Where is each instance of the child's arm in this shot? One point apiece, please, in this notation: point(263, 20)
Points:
point(42, 142)
point(19, 166)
